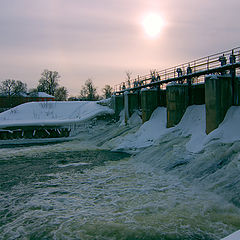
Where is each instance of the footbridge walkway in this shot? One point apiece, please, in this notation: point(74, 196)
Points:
point(190, 72)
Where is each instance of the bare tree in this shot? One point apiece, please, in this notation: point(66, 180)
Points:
point(48, 82)
point(61, 94)
point(89, 91)
point(10, 87)
point(20, 87)
point(128, 77)
point(107, 91)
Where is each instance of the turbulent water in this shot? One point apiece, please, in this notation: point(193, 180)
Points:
point(70, 190)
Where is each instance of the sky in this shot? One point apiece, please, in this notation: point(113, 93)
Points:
point(102, 39)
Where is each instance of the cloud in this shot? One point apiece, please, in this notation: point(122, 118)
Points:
point(105, 37)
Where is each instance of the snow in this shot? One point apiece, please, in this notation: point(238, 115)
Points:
point(234, 236)
point(192, 125)
point(51, 113)
point(147, 133)
point(43, 94)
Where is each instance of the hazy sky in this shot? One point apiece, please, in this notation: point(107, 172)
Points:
point(101, 39)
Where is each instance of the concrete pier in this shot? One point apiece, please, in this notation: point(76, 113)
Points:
point(177, 102)
point(218, 98)
point(131, 104)
point(149, 102)
point(117, 104)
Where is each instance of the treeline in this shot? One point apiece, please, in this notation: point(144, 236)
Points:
point(49, 83)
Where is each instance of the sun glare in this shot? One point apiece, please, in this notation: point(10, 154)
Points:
point(152, 24)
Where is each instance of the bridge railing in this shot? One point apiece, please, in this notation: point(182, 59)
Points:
point(200, 65)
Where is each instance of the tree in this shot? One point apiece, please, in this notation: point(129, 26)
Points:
point(7, 87)
point(11, 87)
point(89, 91)
point(61, 94)
point(20, 87)
point(128, 77)
point(107, 91)
point(48, 82)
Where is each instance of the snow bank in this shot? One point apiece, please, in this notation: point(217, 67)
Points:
point(147, 133)
point(51, 113)
point(229, 130)
point(193, 124)
point(234, 236)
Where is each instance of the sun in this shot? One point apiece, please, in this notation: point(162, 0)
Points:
point(152, 24)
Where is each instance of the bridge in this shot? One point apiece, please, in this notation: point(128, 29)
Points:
point(213, 80)
point(190, 72)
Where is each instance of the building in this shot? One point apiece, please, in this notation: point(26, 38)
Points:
point(7, 102)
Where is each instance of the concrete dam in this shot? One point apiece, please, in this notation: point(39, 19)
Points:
point(212, 81)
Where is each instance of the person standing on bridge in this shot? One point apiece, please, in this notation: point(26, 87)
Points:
point(222, 59)
point(179, 72)
point(153, 78)
point(123, 86)
point(189, 70)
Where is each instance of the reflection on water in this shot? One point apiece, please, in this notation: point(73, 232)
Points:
point(60, 191)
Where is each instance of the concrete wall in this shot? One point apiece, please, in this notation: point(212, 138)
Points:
point(177, 102)
point(131, 104)
point(149, 102)
point(218, 98)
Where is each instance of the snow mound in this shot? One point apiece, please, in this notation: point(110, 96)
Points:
point(147, 133)
point(192, 125)
point(45, 113)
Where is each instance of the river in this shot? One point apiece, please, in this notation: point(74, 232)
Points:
point(69, 190)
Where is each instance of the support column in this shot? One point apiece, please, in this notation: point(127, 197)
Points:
point(131, 104)
point(218, 99)
point(149, 102)
point(117, 104)
point(177, 102)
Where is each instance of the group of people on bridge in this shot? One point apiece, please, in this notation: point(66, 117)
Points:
point(180, 72)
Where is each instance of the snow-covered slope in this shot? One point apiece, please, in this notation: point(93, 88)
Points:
point(51, 113)
point(193, 124)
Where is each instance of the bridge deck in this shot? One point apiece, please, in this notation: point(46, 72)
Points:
point(216, 63)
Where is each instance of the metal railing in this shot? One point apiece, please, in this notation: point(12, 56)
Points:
point(194, 70)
